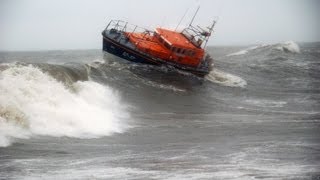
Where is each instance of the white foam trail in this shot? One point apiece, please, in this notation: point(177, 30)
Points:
point(226, 79)
point(288, 46)
point(163, 86)
point(266, 103)
point(34, 103)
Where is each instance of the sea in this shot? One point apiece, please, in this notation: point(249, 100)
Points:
point(85, 114)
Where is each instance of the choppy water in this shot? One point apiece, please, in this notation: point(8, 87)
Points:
point(86, 115)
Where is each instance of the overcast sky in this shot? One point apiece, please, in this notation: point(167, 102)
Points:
point(77, 24)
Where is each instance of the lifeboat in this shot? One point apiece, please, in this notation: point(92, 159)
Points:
point(184, 50)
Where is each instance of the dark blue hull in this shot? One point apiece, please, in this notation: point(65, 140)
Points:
point(124, 52)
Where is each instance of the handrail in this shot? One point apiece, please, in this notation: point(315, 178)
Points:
point(123, 26)
point(127, 29)
point(196, 35)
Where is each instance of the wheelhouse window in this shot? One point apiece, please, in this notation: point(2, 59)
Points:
point(156, 35)
point(174, 49)
point(167, 45)
point(161, 40)
point(189, 52)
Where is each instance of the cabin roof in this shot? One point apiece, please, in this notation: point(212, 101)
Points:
point(175, 38)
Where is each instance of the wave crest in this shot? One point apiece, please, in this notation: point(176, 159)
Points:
point(245, 51)
point(289, 47)
point(34, 103)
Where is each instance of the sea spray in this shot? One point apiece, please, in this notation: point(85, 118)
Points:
point(34, 103)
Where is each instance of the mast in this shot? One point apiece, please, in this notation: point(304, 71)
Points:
point(210, 31)
point(194, 16)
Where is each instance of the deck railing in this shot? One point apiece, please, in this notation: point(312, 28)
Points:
point(123, 26)
point(127, 29)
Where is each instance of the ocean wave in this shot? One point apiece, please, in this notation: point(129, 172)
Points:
point(34, 103)
point(288, 46)
point(245, 51)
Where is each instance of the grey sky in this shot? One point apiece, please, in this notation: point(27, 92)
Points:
point(77, 24)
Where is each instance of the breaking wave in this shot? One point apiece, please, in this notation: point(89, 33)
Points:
point(289, 47)
point(34, 103)
point(245, 51)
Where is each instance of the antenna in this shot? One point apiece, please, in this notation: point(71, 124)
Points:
point(194, 16)
point(181, 19)
point(210, 31)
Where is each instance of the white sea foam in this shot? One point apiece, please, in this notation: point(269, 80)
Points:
point(100, 61)
point(9, 131)
point(226, 79)
point(288, 46)
point(266, 103)
point(34, 103)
